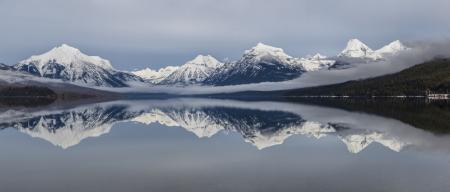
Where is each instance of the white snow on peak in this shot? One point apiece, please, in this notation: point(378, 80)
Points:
point(194, 71)
point(356, 48)
point(261, 47)
point(316, 62)
point(68, 56)
point(392, 48)
point(155, 76)
point(261, 50)
point(205, 60)
point(146, 73)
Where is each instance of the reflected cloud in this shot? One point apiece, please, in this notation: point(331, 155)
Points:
point(262, 124)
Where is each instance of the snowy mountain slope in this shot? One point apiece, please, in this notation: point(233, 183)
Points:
point(262, 63)
point(154, 76)
point(392, 49)
point(70, 64)
point(357, 49)
point(316, 62)
point(356, 52)
point(67, 56)
point(193, 72)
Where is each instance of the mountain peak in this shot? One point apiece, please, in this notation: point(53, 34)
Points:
point(262, 50)
point(392, 48)
point(261, 47)
point(356, 48)
point(396, 44)
point(66, 47)
point(66, 55)
point(63, 50)
point(155, 76)
point(202, 58)
point(205, 60)
point(356, 44)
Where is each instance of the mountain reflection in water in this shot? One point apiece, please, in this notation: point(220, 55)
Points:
point(261, 124)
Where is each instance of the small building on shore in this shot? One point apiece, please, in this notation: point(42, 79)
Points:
point(433, 95)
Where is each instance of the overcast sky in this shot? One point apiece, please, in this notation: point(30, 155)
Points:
point(153, 33)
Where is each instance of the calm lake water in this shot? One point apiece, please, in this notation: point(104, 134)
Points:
point(226, 145)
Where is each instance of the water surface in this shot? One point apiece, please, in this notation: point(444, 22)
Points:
point(224, 145)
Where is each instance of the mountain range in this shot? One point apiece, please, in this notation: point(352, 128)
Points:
point(262, 63)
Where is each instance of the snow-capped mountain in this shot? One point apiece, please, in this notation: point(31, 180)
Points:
point(262, 63)
point(316, 62)
point(194, 71)
point(356, 52)
point(357, 49)
point(70, 64)
point(392, 49)
point(190, 73)
point(154, 76)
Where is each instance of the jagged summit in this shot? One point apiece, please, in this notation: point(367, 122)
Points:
point(356, 48)
point(66, 55)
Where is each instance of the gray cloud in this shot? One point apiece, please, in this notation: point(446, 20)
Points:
point(138, 33)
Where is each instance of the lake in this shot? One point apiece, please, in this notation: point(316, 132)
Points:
point(186, 144)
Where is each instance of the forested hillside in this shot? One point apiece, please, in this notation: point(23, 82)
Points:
point(433, 76)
